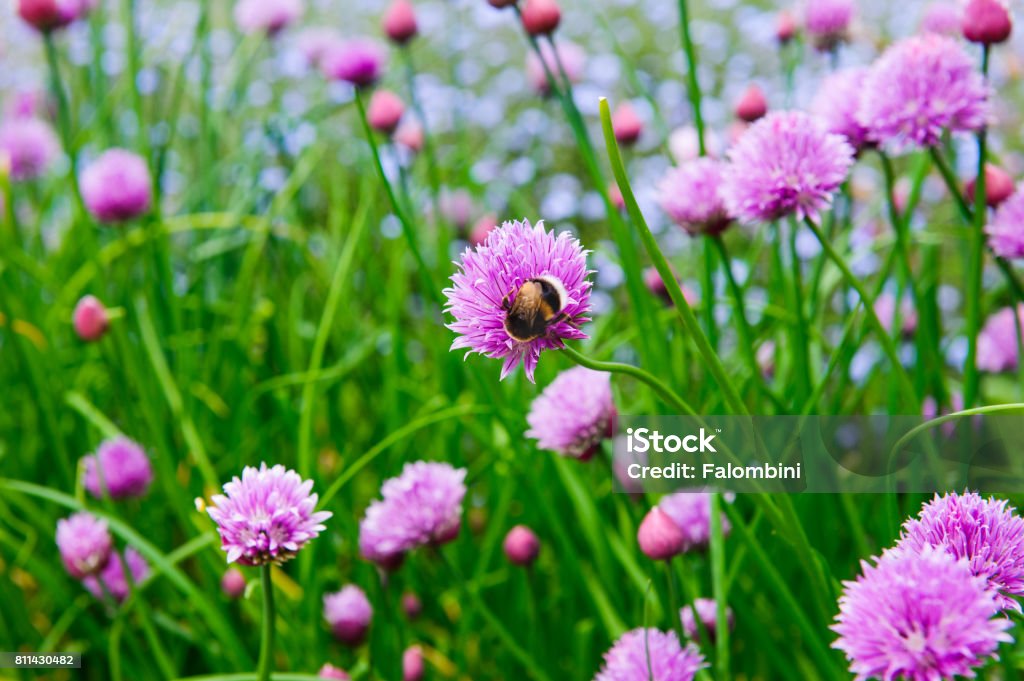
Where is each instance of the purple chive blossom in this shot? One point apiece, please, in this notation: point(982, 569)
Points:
point(267, 516)
point(707, 611)
point(691, 511)
point(692, 196)
point(785, 163)
point(420, 507)
point(827, 22)
point(119, 468)
point(117, 186)
point(30, 146)
point(644, 654)
point(997, 341)
point(329, 671)
point(359, 62)
point(984, 531)
point(1006, 228)
point(920, 87)
point(491, 275)
point(84, 543)
point(349, 613)
point(112, 579)
point(574, 413)
point(836, 104)
point(267, 16)
point(942, 17)
point(917, 617)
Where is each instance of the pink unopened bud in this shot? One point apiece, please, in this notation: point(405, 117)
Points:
point(411, 605)
point(400, 22)
point(615, 196)
point(986, 21)
point(541, 17)
point(501, 4)
point(410, 136)
point(659, 537)
point(481, 228)
point(329, 671)
point(751, 105)
point(627, 124)
point(785, 26)
point(46, 15)
point(90, 319)
point(385, 111)
point(233, 583)
point(521, 545)
point(998, 186)
point(412, 664)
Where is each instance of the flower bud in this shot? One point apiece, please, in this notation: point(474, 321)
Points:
point(233, 583)
point(412, 664)
point(998, 186)
point(400, 22)
point(986, 21)
point(385, 111)
point(117, 186)
point(90, 319)
point(481, 228)
point(46, 15)
point(501, 4)
point(627, 124)
point(752, 105)
point(359, 62)
point(411, 605)
point(410, 136)
point(329, 671)
point(616, 197)
point(541, 17)
point(521, 545)
point(785, 27)
point(659, 537)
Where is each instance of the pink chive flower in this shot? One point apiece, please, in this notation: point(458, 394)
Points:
point(656, 285)
point(785, 27)
point(267, 16)
point(627, 124)
point(827, 22)
point(920, 87)
point(50, 15)
point(917, 616)
point(707, 611)
point(349, 613)
point(315, 42)
point(985, 532)
point(267, 516)
point(785, 163)
point(573, 414)
point(482, 227)
point(752, 104)
point(410, 135)
point(521, 545)
point(27, 104)
point(117, 186)
point(399, 22)
point(421, 507)
point(644, 654)
point(571, 56)
point(232, 583)
point(329, 671)
point(119, 468)
point(987, 22)
point(997, 341)
point(659, 537)
point(412, 664)
point(691, 512)
point(684, 144)
point(1006, 228)
point(112, 578)
point(385, 111)
point(30, 145)
point(84, 543)
point(359, 62)
point(885, 309)
point(942, 18)
point(541, 17)
point(411, 605)
point(691, 194)
point(836, 104)
point(483, 291)
point(998, 186)
point(90, 319)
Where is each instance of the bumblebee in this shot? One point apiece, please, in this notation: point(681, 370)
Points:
point(536, 307)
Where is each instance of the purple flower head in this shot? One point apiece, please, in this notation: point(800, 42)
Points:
point(117, 186)
point(920, 87)
point(986, 532)
point(645, 654)
point(785, 163)
point(267, 16)
point(120, 467)
point(267, 516)
point(1006, 228)
point(836, 104)
point(30, 146)
point(359, 62)
point(329, 671)
point(707, 611)
point(348, 612)
point(919, 617)
point(421, 506)
point(574, 413)
point(491, 276)
point(112, 579)
point(691, 195)
point(997, 341)
point(315, 42)
point(828, 22)
point(941, 17)
point(84, 543)
point(691, 511)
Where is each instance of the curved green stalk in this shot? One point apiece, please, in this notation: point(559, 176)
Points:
point(266, 662)
point(946, 418)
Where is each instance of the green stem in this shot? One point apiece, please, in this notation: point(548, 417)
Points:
point(63, 114)
point(128, 8)
point(692, 82)
point(266, 661)
point(802, 350)
point(732, 397)
point(718, 587)
point(746, 334)
point(673, 602)
point(663, 391)
point(951, 183)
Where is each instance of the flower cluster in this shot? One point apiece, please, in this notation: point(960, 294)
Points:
point(119, 468)
point(573, 414)
point(644, 654)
